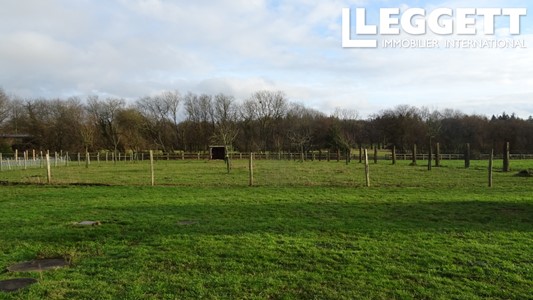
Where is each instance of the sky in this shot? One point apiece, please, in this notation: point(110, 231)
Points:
point(135, 48)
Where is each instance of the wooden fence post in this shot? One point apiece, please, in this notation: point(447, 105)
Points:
point(467, 156)
point(490, 166)
point(1, 165)
point(367, 169)
point(437, 155)
point(152, 176)
point(506, 157)
point(430, 155)
point(414, 155)
point(79, 158)
point(48, 171)
point(251, 168)
point(25, 160)
point(87, 160)
point(393, 155)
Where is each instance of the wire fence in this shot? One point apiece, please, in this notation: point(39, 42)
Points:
point(269, 169)
point(12, 161)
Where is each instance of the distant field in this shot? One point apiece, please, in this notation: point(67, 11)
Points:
point(306, 230)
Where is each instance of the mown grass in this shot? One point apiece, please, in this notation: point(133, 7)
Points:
point(272, 173)
point(307, 230)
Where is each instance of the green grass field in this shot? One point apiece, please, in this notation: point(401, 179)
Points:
point(305, 231)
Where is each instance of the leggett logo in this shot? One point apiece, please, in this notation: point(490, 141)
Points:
point(440, 21)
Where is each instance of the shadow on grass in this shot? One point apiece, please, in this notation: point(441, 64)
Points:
point(141, 222)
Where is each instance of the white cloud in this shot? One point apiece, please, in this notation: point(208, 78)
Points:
point(131, 48)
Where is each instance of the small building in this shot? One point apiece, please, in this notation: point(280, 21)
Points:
point(217, 152)
point(14, 141)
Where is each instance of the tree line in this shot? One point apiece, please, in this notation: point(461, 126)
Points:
point(265, 121)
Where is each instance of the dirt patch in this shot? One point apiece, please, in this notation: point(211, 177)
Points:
point(88, 223)
point(187, 222)
point(38, 265)
point(13, 285)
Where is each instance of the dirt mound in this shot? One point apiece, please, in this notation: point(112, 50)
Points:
point(525, 173)
point(12, 285)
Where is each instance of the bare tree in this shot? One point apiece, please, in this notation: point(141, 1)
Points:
point(433, 122)
point(172, 101)
point(39, 122)
point(402, 126)
point(4, 106)
point(160, 112)
point(105, 114)
point(300, 124)
point(87, 129)
point(130, 122)
point(17, 116)
point(349, 129)
point(200, 114)
point(345, 114)
point(225, 116)
point(248, 117)
point(271, 108)
point(66, 120)
point(154, 113)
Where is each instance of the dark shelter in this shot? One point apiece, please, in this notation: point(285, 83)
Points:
point(218, 152)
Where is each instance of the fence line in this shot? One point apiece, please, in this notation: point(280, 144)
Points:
point(139, 161)
point(21, 164)
point(8, 161)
